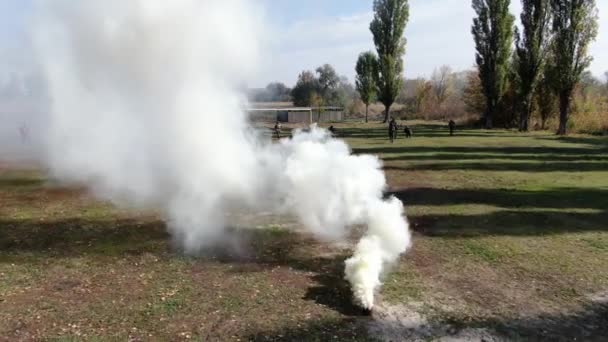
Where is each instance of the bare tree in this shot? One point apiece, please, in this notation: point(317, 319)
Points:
point(424, 89)
point(442, 83)
point(473, 95)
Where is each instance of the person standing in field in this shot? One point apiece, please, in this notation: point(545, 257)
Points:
point(332, 130)
point(277, 130)
point(24, 133)
point(452, 125)
point(407, 131)
point(392, 130)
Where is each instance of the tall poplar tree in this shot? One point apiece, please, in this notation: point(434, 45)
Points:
point(575, 26)
point(493, 34)
point(531, 46)
point(367, 70)
point(388, 28)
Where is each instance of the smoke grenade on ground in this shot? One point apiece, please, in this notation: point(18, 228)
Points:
point(145, 109)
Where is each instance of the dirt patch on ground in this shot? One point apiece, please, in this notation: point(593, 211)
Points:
point(403, 323)
point(409, 323)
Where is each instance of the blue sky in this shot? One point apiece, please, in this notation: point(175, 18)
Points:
point(13, 35)
point(305, 34)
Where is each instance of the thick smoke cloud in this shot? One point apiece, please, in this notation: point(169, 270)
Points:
point(144, 109)
point(22, 119)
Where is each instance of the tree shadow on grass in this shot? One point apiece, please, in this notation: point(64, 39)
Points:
point(268, 249)
point(509, 166)
point(346, 329)
point(439, 156)
point(70, 237)
point(593, 141)
point(509, 223)
point(19, 182)
point(334, 292)
point(589, 324)
point(248, 250)
point(464, 151)
point(530, 213)
point(371, 133)
point(558, 198)
point(442, 131)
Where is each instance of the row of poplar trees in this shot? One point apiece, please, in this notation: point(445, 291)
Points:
point(551, 48)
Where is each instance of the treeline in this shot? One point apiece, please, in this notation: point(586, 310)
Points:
point(531, 75)
point(321, 88)
point(274, 92)
point(445, 95)
point(520, 71)
point(456, 95)
point(551, 50)
point(460, 96)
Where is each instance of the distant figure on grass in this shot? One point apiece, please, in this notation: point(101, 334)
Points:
point(332, 130)
point(277, 130)
point(407, 131)
point(392, 130)
point(452, 125)
point(24, 133)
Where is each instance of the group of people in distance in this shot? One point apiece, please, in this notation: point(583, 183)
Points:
point(393, 127)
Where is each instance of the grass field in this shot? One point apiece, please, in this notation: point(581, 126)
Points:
point(511, 241)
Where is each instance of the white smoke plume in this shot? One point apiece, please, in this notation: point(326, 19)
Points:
point(145, 109)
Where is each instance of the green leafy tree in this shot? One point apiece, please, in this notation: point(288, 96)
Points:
point(493, 34)
point(575, 26)
point(510, 105)
point(531, 48)
point(346, 94)
point(365, 81)
point(306, 89)
point(326, 89)
point(328, 80)
point(546, 102)
point(388, 28)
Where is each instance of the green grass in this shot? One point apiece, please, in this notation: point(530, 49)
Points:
point(510, 232)
point(507, 224)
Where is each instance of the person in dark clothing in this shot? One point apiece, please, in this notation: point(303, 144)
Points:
point(277, 130)
point(392, 130)
point(452, 125)
point(332, 130)
point(407, 131)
